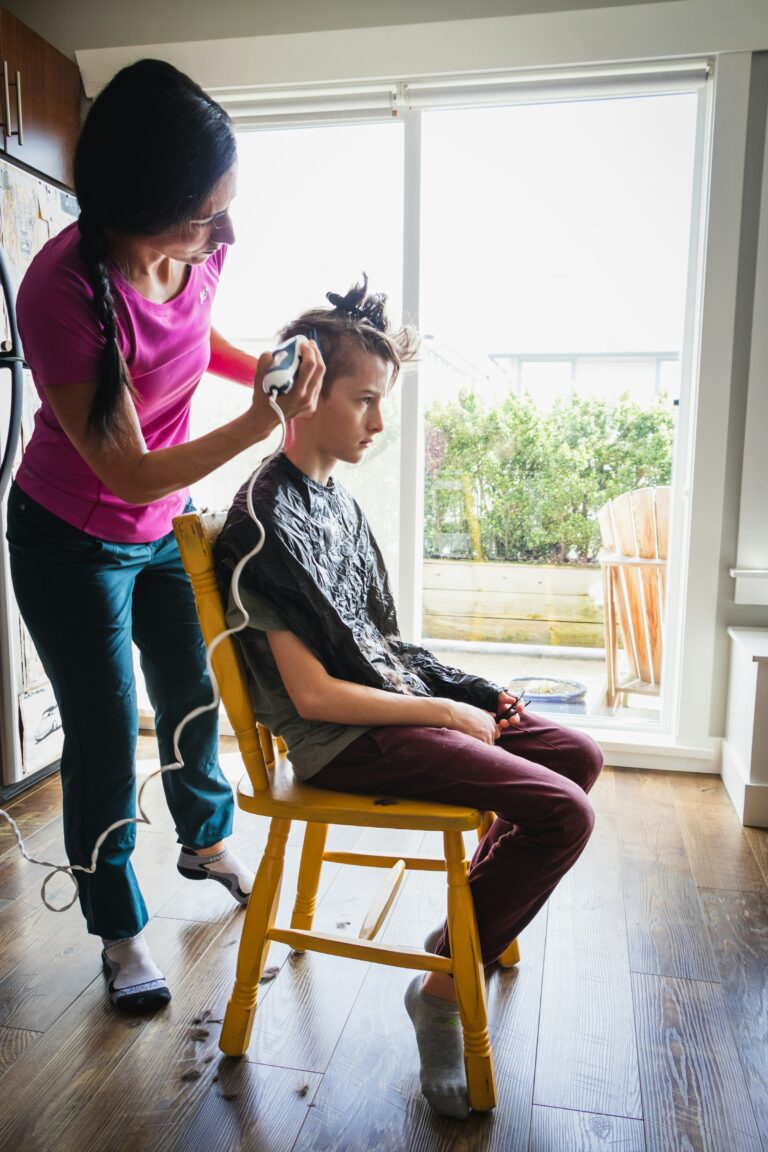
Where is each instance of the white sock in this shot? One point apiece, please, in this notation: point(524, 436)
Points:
point(222, 866)
point(136, 984)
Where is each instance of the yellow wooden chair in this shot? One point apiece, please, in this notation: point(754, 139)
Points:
point(271, 790)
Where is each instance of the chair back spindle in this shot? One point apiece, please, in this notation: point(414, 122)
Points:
point(196, 535)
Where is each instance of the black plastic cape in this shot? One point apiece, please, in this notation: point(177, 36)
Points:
point(321, 570)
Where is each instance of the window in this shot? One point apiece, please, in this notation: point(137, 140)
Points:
point(554, 265)
point(541, 240)
point(315, 208)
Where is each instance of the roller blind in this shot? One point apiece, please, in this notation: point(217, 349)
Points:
point(384, 99)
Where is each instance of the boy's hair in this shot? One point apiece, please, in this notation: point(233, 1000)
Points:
point(356, 322)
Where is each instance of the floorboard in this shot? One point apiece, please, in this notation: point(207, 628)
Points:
point(31, 811)
point(636, 1021)
point(666, 932)
point(757, 838)
point(52, 1086)
point(719, 853)
point(14, 1041)
point(586, 1055)
point(691, 1076)
point(738, 928)
point(17, 875)
point(555, 1130)
point(253, 1107)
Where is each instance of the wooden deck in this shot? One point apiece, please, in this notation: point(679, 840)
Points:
point(637, 1020)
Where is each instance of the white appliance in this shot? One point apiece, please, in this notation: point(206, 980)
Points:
point(31, 211)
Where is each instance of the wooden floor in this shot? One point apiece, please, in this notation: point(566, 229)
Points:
point(637, 1019)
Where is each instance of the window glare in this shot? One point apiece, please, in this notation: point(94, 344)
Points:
point(315, 208)
point(558, 227)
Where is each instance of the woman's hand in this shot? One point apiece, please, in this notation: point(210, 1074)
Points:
point(126, 467)
point(473, 722)
point(302, 399)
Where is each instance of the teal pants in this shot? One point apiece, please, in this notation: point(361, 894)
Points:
point(84, 601)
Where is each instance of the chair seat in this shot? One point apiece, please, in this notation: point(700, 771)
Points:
point(289, 799)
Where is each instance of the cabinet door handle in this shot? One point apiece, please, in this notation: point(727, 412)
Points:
point(7, 85)
point(6, 102)
point(19, 129)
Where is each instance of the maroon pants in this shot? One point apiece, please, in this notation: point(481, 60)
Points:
point(535, 778)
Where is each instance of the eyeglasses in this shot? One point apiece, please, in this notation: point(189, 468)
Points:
point(218, 221)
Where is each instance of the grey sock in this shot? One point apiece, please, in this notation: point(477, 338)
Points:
point(432, 939)
point(441, 1050)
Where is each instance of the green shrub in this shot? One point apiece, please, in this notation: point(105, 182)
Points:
point(516, 483)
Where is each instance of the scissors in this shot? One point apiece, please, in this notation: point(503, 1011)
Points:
point(511, 708)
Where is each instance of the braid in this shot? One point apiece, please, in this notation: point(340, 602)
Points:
point(114, 375)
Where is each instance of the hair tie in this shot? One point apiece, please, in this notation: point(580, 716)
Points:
point(343, 304)
point(369, 310)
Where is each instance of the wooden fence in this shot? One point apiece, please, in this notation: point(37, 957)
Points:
point(513, 603)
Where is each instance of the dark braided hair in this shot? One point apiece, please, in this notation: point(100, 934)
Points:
point(152, 148)
point(356, 322)
point(114, 371)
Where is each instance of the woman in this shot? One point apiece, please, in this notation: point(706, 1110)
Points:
point(115, 319)
point(362, 710)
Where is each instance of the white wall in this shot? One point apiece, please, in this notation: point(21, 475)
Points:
point(744, 522)
point(548, 39)
point(73, 24)
point(750, 414)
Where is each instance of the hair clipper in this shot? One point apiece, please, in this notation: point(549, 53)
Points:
point(286, 359)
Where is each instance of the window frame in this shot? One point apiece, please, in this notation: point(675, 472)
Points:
point(693, 640)
point(412, 426)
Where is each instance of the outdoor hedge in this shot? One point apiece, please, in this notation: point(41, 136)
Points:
point(514, 482)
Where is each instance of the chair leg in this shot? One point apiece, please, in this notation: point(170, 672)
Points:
point(254, 943)
point(267, 745)
point(469, 978)
point(485, 823)
point(309, 876)
point(510, 956)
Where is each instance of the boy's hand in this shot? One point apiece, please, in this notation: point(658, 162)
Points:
point(474, 722)
point(508, 710)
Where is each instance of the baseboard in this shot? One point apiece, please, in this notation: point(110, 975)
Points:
point(750, 800)
point(655, 751)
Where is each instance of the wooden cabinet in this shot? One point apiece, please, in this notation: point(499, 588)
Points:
point(40, 104)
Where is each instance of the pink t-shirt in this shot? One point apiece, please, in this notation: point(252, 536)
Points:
point(167, 349)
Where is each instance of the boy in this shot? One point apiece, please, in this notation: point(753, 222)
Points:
point(362, 710)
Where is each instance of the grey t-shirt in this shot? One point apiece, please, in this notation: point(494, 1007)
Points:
point(311, 743)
